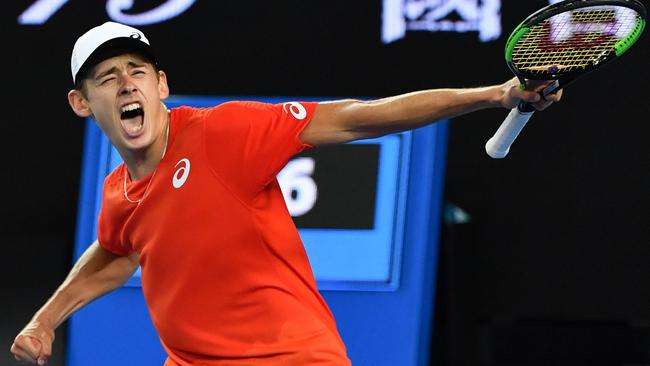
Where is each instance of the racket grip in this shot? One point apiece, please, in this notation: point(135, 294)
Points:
point(499, 145)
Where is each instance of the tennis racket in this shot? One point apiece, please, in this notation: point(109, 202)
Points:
point(562, 42)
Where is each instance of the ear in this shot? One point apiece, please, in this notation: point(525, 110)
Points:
point(79, 104)
point(163, 88)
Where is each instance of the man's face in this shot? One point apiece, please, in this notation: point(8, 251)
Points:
point(124, 94)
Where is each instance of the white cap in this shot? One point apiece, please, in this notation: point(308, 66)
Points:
point(107, 35)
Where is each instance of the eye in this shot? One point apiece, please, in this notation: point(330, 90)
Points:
point(106, 81)
point(138, 72)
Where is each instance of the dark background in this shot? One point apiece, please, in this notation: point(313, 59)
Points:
point(552, 268)
point(352, 198)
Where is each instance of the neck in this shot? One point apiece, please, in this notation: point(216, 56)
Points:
point(143, 162)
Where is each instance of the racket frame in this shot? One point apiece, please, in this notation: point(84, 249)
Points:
point(558, 8)
point(499, 145)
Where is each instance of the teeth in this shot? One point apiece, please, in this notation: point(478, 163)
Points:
point(134, 129)
point(130, 107)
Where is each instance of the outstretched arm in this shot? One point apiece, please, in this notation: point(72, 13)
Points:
point(95, 273)
point(347, 120)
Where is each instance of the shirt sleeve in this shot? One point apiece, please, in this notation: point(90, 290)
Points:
point(248, 143)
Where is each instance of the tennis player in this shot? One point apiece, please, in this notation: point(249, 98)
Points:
point(196, 204)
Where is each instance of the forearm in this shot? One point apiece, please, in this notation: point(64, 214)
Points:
point(347, 120)
point(95, 273)
point(412, 110)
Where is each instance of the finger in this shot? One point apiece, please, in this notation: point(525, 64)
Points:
point(541, 106)
point(46, 350)
point(538, 85)
point(529, 96)
point(555, 97)
point(21, 355)
point(46, 353)
point(548, 100)
point(20, 360)
point(38, 346)
point(30, 345)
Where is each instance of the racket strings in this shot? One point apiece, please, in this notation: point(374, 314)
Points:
point(573, 40)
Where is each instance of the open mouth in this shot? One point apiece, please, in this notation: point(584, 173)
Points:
point(132, 118)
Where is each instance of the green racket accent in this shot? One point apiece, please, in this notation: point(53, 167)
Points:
point(624, 44)
point(573, 41)
point(513, 39)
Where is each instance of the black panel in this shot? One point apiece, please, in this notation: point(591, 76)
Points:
point(346, 176)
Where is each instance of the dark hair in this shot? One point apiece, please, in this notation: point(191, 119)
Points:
point(87, 68)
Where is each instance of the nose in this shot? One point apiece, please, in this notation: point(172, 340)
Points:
point(128, 87)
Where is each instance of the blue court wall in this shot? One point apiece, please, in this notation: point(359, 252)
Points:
point(383, 308)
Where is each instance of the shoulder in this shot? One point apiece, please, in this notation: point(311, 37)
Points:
point(229, 106)
point(235, 116)
point(113, 188)
point(227, 110)
point(253, 111)
point(115, 178)
point(239, 109)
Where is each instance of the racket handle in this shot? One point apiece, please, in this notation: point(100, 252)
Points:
point(499, 145)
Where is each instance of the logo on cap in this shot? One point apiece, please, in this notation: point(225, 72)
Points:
point(136, 35)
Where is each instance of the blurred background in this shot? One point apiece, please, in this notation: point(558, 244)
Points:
point(543, 256)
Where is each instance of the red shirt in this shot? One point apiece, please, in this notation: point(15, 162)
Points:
point(224, 272)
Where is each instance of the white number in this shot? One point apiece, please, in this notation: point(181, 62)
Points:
point(298, 187)
point(40, 11)
point(163, 12)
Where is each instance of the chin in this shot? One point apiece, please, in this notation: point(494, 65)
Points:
point(139, 143)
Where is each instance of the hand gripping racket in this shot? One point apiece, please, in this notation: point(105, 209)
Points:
point(562, 42)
